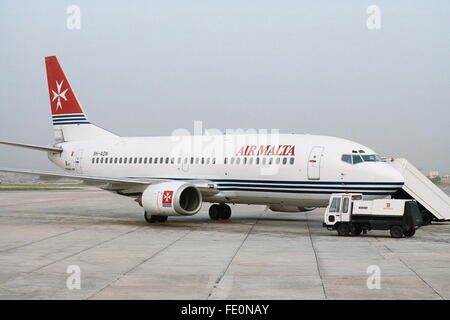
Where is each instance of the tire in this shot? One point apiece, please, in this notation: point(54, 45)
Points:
point(396, 232)
point(343, 229)
point(355, 230)
point(225, 211)
point(162, 218)
point(152, 218)
point(214, 212)
point(409, 233)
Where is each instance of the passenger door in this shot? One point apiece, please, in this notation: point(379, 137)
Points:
point(78, 157)
point(314, 159)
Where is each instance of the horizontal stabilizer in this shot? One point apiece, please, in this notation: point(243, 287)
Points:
point(83, 177)
point(32, 146)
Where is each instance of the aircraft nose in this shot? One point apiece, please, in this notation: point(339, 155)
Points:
point(389, 174)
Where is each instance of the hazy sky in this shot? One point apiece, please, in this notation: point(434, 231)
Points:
point(149, 67)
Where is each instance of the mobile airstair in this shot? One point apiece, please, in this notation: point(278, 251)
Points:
point(435, 202)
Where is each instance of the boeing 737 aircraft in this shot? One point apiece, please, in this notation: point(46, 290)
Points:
point(172, 176)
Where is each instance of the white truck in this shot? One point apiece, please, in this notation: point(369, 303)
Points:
point(348, 213)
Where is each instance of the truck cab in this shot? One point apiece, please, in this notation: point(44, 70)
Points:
point(348, 213)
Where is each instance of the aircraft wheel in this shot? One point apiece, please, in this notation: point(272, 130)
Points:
point(396, 232)
point(409, 233)
point(214, 212)
point(152, 218)
point(225, 211)
point(343, 229)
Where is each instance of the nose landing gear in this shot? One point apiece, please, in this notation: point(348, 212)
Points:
point(220, 211)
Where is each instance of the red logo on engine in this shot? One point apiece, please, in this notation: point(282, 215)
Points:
point(167, 198)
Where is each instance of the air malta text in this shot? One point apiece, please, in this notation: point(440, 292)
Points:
point(267, 150)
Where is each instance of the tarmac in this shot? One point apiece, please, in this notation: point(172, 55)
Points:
point(257, 254)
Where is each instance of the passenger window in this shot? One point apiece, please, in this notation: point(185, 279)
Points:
point(145, 160)
point(150, 160)
point(263, 161)
point(167, 160)
point(291, 161)
point(277, 161)
point(356, 159)
point(213, 161)
point(172, 160)
point(250, 160)
point(345, 205)
point(161, 160)
point(196, 160)
point(225, 161)
point(203, 160)
point(270, 161)
point(179, 160)
point(244, 160)
point(192, 160)
point(140, 160)
point(335, 205)
point(97, 160)
point(93, 160)
point(257, 161)
point(207, 160)
point(130, 160)
point(232, 161)
point(135, 160)
point(125, 160)
point(115, 160)
point(347, 158)
point(120, 160)
point(101, 160)
point(238, 160)
point(156, 160)
point(284, 160)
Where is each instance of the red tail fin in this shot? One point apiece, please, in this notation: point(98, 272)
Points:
point(62, 97)
point(69, 120)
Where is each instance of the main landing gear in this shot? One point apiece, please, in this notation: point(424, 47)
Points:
point(152, 218)
point(220, 211)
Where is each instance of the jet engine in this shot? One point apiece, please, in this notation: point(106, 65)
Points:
point(174, 198)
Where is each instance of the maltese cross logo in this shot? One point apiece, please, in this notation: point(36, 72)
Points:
point(58, 95)
point(167, 198)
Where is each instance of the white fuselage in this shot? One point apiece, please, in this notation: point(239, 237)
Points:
point(304, 176)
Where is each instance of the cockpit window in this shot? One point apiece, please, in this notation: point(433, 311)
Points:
point(357, 159)
point(371, 157)
point(354, 159)
point(347, 158)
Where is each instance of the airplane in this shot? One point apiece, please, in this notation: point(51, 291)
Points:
point(173, 176)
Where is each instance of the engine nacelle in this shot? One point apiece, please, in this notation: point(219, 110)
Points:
point(281, 208)
point(174, 198)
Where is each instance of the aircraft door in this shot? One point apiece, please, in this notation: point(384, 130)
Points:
point(314, 159)
point(78, 157)
point(185, 164)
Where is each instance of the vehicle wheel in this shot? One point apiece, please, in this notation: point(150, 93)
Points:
point(409, 233)
point(355, 230)
point(225, 211)
point(343, 229)
point(214, 212)
point(426, 218)
point(396, 232)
